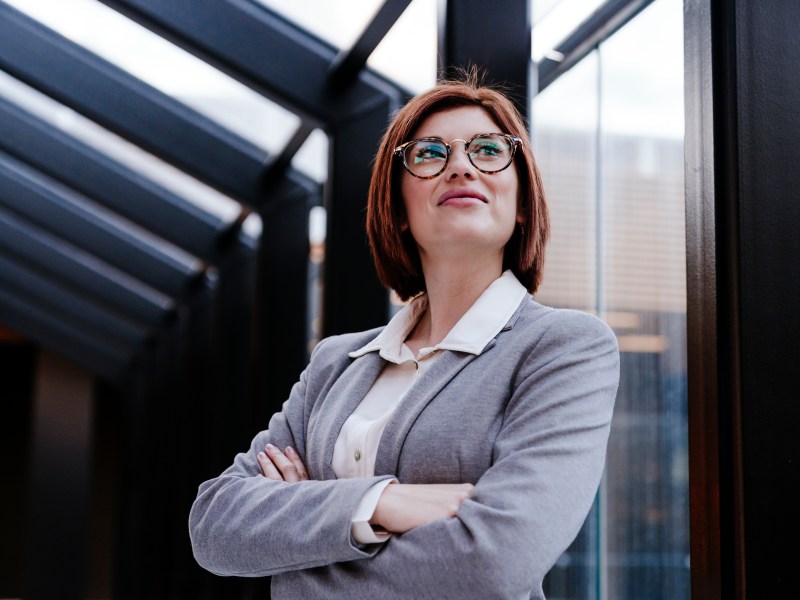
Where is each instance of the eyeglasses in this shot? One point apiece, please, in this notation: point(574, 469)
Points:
point(488, 152)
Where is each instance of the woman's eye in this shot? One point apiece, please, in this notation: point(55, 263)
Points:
point(432, 152)
point(487, 149)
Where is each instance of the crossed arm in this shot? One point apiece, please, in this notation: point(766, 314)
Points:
point(401, 507)
point(523, 512)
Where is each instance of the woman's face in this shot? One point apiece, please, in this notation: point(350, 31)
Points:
point(462, 210)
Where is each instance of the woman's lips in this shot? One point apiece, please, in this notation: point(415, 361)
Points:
point(461, 197)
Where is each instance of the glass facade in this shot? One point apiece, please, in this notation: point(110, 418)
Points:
point(609, 140)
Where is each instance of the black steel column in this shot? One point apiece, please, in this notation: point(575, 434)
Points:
point(495, 38)
point(234, 334)
point(283, 298)
point(742, 257)
point(148, 463)
point(353, 298)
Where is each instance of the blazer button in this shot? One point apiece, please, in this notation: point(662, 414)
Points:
point(357, 455)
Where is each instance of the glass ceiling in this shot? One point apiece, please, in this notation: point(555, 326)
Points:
point(554, 20)
point(64, 118)
point(338, 22)
point(166, 67)
point(407, 55)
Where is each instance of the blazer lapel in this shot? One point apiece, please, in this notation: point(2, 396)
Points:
point(446, 366)
point(339, 403)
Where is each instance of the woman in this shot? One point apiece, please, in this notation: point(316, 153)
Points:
point(456, 452)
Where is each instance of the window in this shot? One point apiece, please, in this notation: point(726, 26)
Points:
point(609, 140)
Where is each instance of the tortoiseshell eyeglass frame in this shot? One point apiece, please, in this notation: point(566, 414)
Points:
point(514, 142)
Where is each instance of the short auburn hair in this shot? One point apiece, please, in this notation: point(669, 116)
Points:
point(394, 251)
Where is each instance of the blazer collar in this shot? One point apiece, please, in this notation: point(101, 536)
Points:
point(351, 386)
point(476, 328)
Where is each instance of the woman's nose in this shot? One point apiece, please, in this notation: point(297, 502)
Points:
point(459, 164)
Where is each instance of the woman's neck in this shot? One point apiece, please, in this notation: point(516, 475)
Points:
point(452, 288)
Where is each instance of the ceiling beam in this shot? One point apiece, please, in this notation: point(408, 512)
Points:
point(80, 312)
point(53, 332)
point(62, 261)
point(115, 186)
point(101, 233)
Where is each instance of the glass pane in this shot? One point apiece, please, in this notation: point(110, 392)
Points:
point(565, 143)
point(166, 67)
point(312, 158)
point(338, 22)
point(642, 199)
point(416, 29)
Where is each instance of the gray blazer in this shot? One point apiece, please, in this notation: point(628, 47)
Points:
point(526, 421)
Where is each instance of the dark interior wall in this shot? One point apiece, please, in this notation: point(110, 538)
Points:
point(17, 369)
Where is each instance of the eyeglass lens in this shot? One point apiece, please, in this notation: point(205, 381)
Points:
point(489, 153)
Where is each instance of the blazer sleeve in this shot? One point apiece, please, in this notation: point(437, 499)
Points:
point(530, 504)
point(244, 524)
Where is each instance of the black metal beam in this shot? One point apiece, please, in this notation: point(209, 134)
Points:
point(264, 51)
point(150, 460)
point(710, 493)
point(237, 314)
point(199, 402)
point(81, 271)
point(600, 25)
point(52, 332)
point(353, 298)
point(82, 313)
point(129, 107)
point(76, 220)
point(742, 253)
point(498, 42)
point(284, 266)
point(757, 133)
point(349, 63)
point(108, 182)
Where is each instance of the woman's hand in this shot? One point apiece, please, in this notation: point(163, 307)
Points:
point(405, 506)
point(401, 506)
point(282, 466)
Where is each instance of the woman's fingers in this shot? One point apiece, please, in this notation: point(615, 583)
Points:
point(267, 468)
point(282, 467)
point(293, 456)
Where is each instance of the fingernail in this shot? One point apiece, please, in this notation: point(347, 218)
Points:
point(261, 455)
point(271, 448)
point(289, 450)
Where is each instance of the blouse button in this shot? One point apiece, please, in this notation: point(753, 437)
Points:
point(357, 455)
